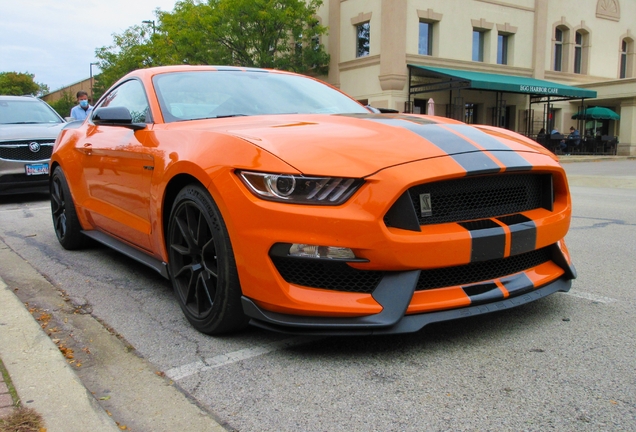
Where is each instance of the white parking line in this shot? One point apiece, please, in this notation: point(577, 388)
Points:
point(184, 371)
point(592, 297)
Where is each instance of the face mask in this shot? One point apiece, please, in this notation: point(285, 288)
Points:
point(84, 103)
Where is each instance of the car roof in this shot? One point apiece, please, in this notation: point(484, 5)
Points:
point(149, 72)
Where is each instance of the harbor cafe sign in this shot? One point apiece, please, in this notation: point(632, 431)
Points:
point(538, 89)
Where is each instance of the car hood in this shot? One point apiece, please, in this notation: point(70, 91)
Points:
point(362, 144)
point(11, 132)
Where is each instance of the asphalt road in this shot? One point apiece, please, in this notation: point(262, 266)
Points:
point(564, 363)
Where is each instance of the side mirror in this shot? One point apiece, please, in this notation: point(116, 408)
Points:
point(115, 116)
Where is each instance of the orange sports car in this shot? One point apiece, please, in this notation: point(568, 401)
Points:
point(273, 199)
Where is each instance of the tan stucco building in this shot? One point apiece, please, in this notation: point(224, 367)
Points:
point(376, 45)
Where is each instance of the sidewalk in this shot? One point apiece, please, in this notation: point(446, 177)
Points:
point(41, 376)
point(139, 397)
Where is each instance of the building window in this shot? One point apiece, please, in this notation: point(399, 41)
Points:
point(624, 48)
point(470, 113)
point(578, 52)
point(425, 46)
point(363, 32)
point(478, 46)
point(558, 49)
point(502, 49)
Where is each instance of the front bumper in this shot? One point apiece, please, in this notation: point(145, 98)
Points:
point(13, 179)
point(394, 294)
point(447, 265)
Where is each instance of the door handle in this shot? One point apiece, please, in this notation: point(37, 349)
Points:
point(88, 149)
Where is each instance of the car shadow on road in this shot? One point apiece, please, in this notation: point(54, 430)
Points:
point(22, 198)
point(503, 327)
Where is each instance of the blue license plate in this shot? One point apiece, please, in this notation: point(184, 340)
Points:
point(37, 169)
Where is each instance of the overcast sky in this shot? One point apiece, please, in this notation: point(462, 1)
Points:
point(56, 39)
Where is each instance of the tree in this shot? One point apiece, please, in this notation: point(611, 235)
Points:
point(278, 34)
point(130, 50)
point(19, 84)
point(64, 104)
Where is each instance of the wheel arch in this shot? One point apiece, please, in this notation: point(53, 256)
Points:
point(173, 187)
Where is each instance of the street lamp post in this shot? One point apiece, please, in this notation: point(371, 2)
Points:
point(151, 22)
point(91, 67)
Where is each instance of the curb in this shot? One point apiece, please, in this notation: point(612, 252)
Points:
point(41, 376)
point(592, 158)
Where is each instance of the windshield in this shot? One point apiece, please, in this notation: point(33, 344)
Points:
point(27, 111)
point(216, 94)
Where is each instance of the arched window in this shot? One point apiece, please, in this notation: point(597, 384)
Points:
point(624, 51)
point(578, 52)
point(558, 48)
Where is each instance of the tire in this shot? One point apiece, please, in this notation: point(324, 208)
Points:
point(65, 222)
point(201, 264)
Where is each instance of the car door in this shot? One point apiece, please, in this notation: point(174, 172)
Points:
point(118, 166)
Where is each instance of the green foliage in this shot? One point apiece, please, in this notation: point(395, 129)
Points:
point(20, 84)
point(278, 34)
point(130, 50)
point(64, 105)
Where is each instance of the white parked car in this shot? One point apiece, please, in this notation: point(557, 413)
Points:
point(28, 128)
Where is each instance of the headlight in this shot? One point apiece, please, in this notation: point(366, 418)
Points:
point(299, 189)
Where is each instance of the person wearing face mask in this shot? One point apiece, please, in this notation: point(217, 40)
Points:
point(83, 109)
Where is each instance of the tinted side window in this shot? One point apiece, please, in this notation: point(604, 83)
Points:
point(129, 95)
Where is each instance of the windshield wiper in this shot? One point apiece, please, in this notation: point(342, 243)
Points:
point(223, 116)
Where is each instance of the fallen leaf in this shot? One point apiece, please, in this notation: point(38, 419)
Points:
point(161, 374)
point(613, 402)
point(104, 398)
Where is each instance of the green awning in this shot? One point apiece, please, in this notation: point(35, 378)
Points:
point(455, 78)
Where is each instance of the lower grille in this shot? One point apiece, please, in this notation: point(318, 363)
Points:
point(20, 151)
point(338, 276)
point(481, 271)
point(335, 276)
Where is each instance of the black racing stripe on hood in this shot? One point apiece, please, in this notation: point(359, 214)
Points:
point(382, 117)
point(472, 158)
point(512, 160)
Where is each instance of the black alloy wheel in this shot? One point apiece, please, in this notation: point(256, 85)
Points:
point(65, 221)
point(201, 264)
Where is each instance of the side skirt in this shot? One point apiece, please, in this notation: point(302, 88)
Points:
point(159, 266)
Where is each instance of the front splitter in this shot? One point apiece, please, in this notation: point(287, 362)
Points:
point(394, 297)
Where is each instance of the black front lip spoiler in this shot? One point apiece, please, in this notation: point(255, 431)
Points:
point(394, 293)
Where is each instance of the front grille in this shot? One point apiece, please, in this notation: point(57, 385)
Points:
point(19, 150)
point(481, 271)
point(338, 276)
point(478, 198)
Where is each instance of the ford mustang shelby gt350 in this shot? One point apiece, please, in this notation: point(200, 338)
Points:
point(273, 199)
